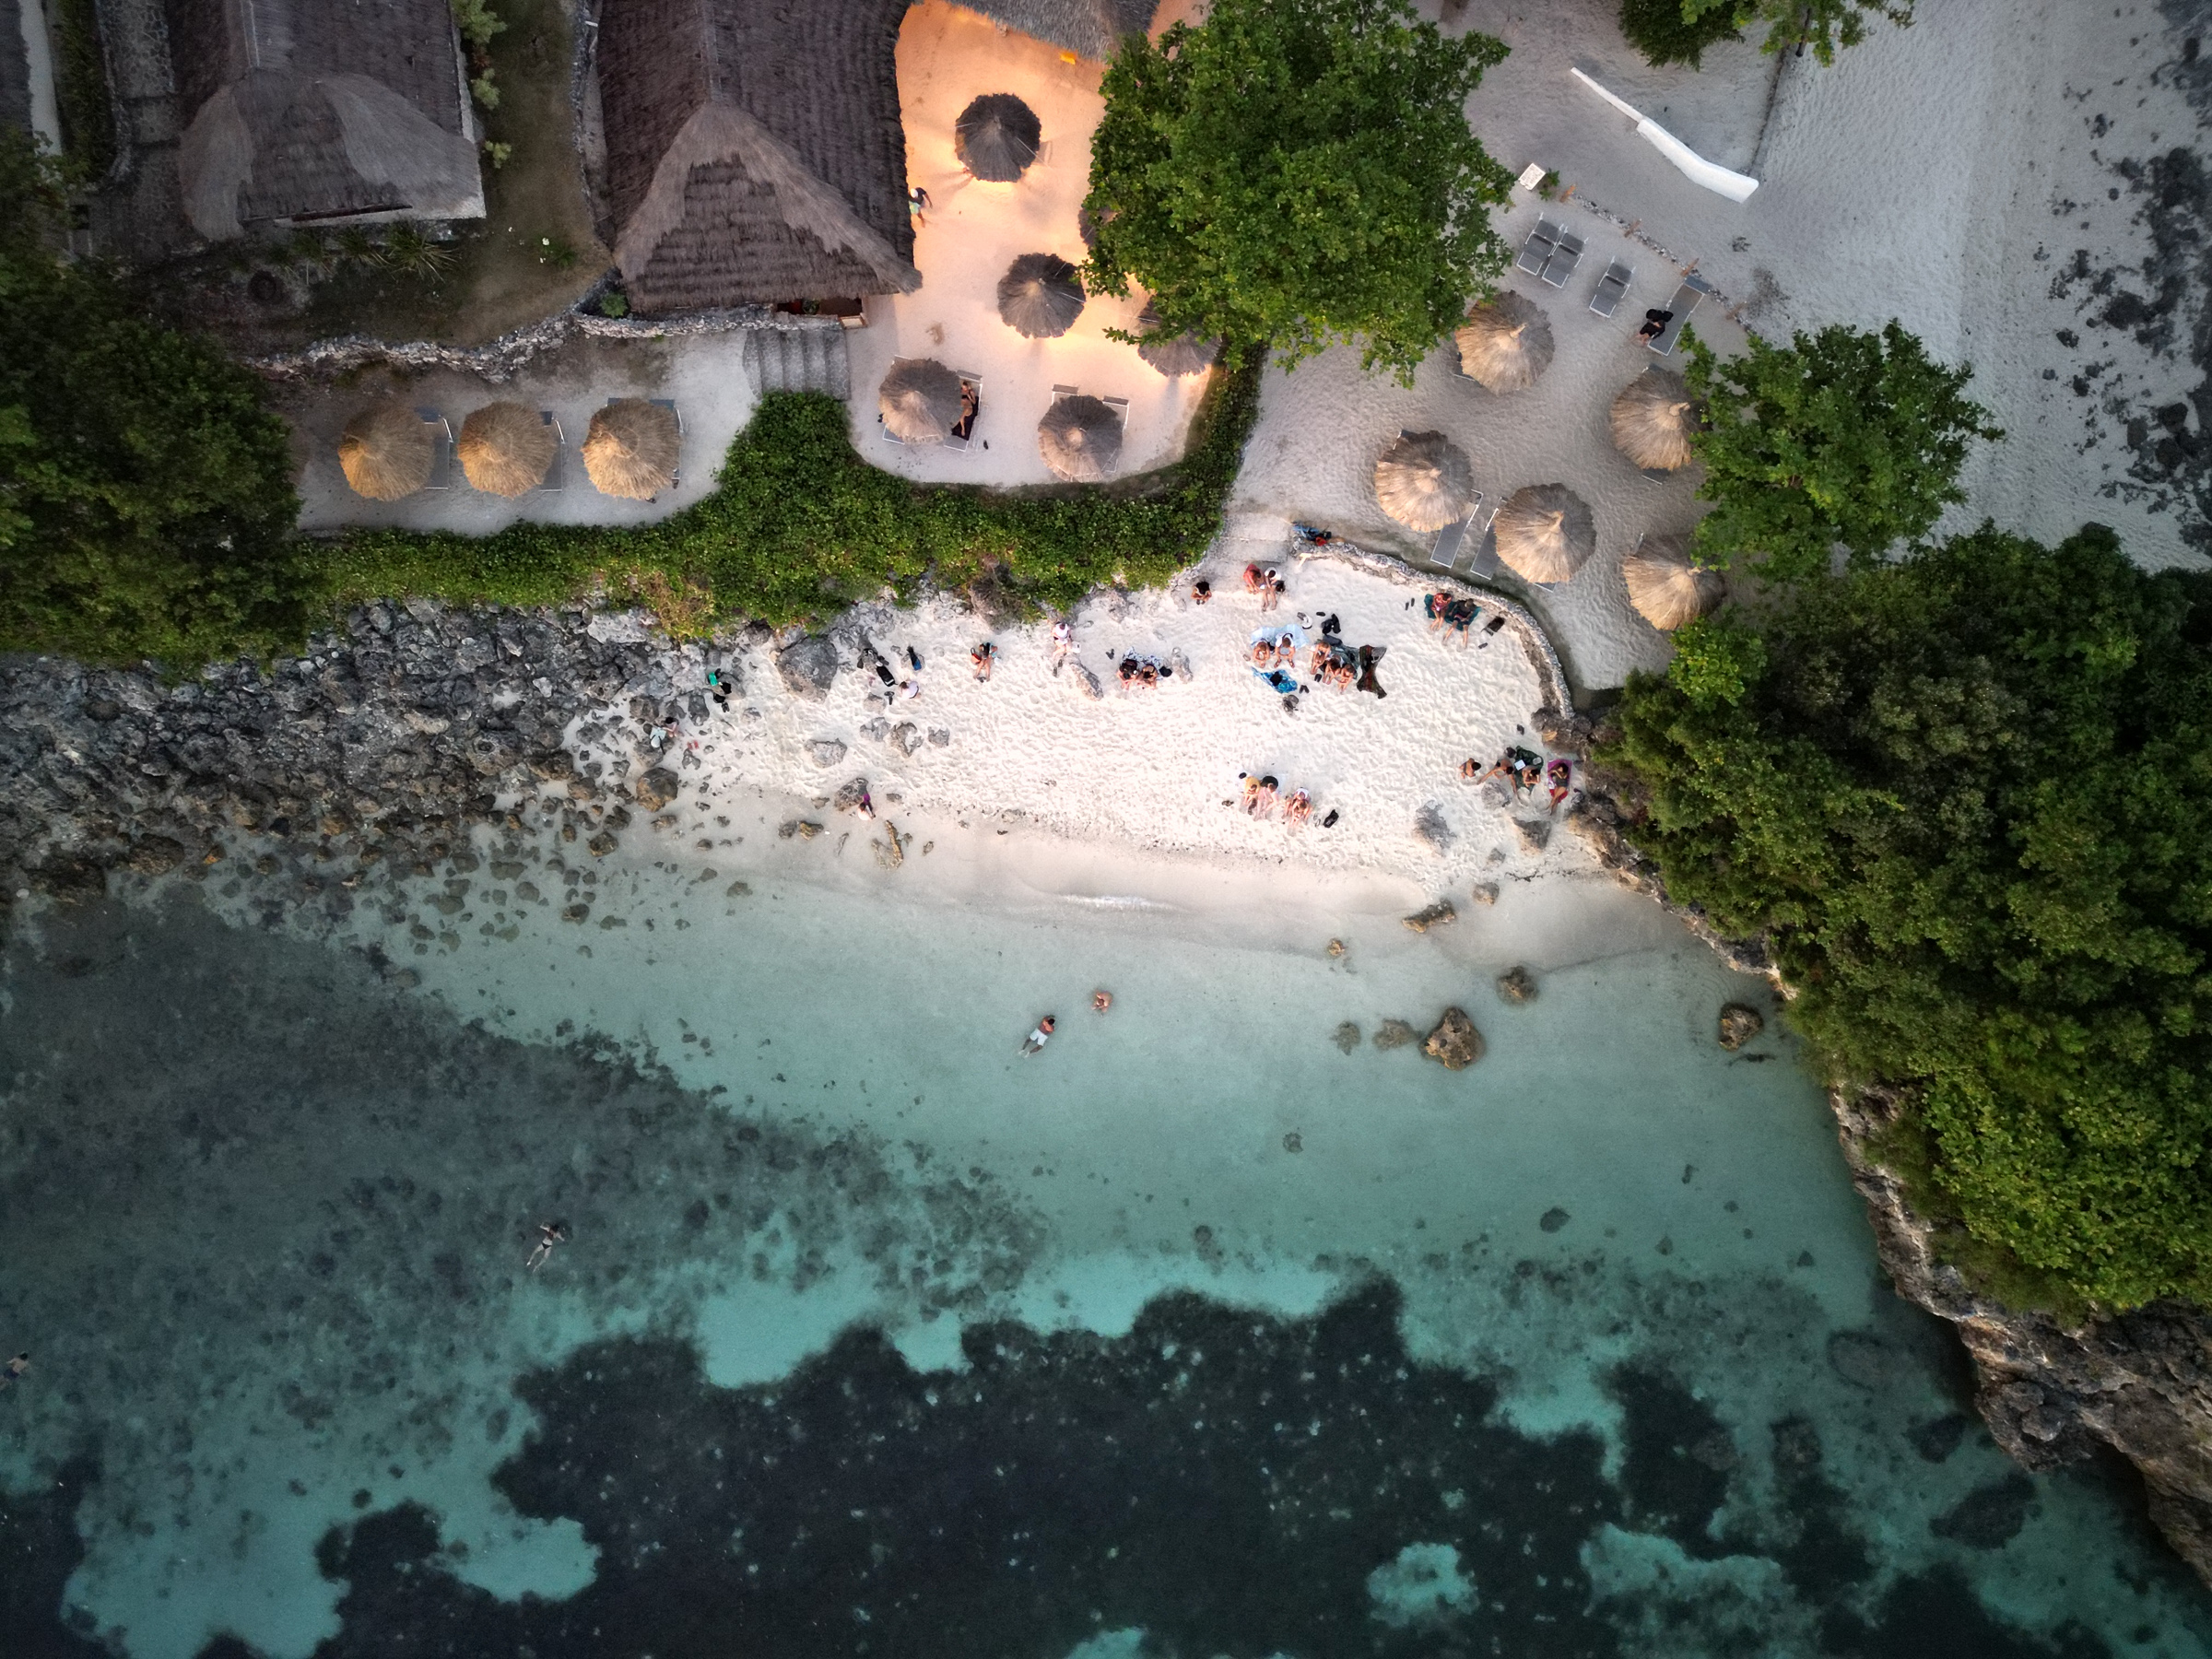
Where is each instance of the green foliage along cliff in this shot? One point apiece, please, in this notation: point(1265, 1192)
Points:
point(1967, 797)
point(1296, 175)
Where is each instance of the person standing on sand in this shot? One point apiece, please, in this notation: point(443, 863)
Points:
point(1038, 1038)
point(549, 1233)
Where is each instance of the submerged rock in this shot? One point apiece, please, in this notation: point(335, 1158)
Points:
point(1395, 1033)
point(1739, 1024)
point(1455, 1044)
point(808, 666)
point(1517, 984)
point(1435, 915)
point(1346, 1037)
point(805, 828)
point(1485, 892)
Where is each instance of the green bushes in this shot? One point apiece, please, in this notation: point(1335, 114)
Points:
point(1659, 31)
point(1965, 796)
point(798, 525)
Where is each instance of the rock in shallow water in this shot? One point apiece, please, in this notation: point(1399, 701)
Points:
point(1455, 1044)
point(1517, 984)
point(1740, 1025)
point(1346, 1037)
point(1435, 915)
point(1395, 1033)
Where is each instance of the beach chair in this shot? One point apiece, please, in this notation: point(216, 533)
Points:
point(1566, 254)
point(1611, 288)
point(1685, 301)
point(676, 475)
point(1120, 406)
point(441, 448)
point(557, 474)
point(1536, 252)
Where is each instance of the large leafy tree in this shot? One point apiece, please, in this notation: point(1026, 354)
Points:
point(1843, 438)
point(1823, 25)
point(147, 506)
point(1965, 795)
point(1288, 176)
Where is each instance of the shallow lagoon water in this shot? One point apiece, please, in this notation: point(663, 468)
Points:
point(1196, 1330)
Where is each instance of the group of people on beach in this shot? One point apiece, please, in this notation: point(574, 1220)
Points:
point(1264, 580)
point(1142, 673)
point(1263, 793)
point(1456, 613)
point(896, 689)
point(1100, 1000)
point(1525, 771)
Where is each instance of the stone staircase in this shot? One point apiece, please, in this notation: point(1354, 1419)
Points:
point(798, 359)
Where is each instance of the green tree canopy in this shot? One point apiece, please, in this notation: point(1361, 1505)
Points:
point(146, 507)
point(1294, 175)
point(1965, 796)
point(1823, 25)
point(1664, 34)
point(1844, 437)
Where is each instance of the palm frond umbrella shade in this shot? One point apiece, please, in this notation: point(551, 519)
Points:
point(1505, 343)
point(1652, 419)
point(1041, 296)
point(920, 400)
point(1545, 533)
point(1177, 354)
point(1080, 439)
point(996, 137)
point(1665, 584)
point(386, 453)
point(1424, 481)
point(507, 449)
point(631, 449)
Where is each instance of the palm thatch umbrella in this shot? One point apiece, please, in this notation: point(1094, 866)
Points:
point(507, 449)
point(1665, 584)
point(631, 449)
point(996, 137)
point(1506, 343)
point(1041, 296)
point(920, 400)
point(387, 452)
point(1080, 439)
point(1545, 533)
point(1652, 419)
point(1424, 482)
point(1176, 354)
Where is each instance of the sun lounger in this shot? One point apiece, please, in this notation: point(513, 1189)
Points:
point(1685, 301)
point(1611, 287)
point(441, 448)
point(962, 435)
point(676, 475)
point(1565, 256)
point(1538, 249)
point(557, 474)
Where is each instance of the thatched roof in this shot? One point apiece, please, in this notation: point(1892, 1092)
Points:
point(1175, 354)
point(507, 449)
point(996, 137)
point(1092, 28)
point(1080, 439)
point(1545, 533)
point(754, 150)
point(1665, 585)
point(1041, 296)
point(920, 400)
point(631, 449)
point(387, 452)
point(316, 110)
point(1652, 419)
point(1424, 481)
point(1505, 343)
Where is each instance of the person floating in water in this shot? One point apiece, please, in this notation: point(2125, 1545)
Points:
point(13, 1371)
point(549, 1233)
point(1101, 1000)
point(1039, 1037)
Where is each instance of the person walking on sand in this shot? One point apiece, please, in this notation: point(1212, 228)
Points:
point(13, 1371)
point(1038, 1038)
point(549, 1233)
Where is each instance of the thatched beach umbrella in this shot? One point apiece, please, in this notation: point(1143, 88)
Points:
point(1041, 296)
point(1177, 354)
point(1665, 584)
point(507, 449)
point(387, 452)
point(1424, 481)
point(1545, 533)
point(920, 400)
point(1080, 439)
point(996, 137)
point(633, 448)
point(1505, 344)
point(1652, 419)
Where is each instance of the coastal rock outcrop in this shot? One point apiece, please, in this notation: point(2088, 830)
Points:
point(1739, 1024)
point(809, 666)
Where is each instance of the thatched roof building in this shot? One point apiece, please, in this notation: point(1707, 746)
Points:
point(1652, 419)
point(1080, 439)
point(1666, 585)
point(754, 150)
point(633, 449)
point(1424, 481)
point(1090, 28)
point(1545, 533)
point(317, 111)
point(387, 452)
point(1505, 344)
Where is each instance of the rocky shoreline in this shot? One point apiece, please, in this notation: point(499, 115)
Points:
point(2139, 1382)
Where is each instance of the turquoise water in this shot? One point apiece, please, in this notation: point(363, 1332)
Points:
point(1197, 1334)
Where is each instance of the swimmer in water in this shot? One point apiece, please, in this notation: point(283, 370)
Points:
point(1038, 1038)
point(1101, 1000)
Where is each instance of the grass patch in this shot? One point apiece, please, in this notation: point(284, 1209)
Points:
point(799, 526)
point(80, 86)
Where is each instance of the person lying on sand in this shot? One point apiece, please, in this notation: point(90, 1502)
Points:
point(1297, 809)
point(1276, 588)
point(1561, 773)
point(1038, 1038)
point(982, 657)
point(1201, 591)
